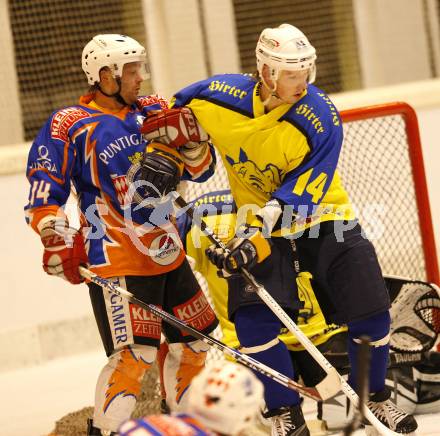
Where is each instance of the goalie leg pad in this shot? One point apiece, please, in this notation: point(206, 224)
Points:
point(377, 328)
point(257, 329)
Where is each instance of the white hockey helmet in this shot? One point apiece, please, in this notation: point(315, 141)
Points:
point(285, 48)
point(225, 397)
point(113, 51)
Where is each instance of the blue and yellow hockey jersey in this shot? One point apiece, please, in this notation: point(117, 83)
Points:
point(99, 153)
point(289, 153)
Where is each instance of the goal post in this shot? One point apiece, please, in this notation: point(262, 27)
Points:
point(390, 134)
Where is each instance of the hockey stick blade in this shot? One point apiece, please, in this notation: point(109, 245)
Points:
point(292, 327)
point(318, 393)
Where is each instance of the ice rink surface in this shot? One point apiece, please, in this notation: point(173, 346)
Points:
point(34, 398)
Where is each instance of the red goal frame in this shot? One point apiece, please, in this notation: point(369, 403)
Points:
point(416, 158)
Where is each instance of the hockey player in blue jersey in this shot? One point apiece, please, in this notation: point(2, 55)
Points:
point(96, 148)
point(280, 138)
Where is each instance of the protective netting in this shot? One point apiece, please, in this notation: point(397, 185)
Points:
point(329, 28)
point(377, 173)
point(48, 40)
point(332, 29)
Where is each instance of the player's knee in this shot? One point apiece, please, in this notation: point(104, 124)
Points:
point(191, 353)
point(198, 346)
point(182, 363)
point(256, 325)
point(376, 327)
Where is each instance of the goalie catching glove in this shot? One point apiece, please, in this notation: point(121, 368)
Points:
point(162, 168)
point(174, 127)
point(64, 250)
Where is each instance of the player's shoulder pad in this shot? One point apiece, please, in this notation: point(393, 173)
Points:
point(62, 120)
point(314, 115)
point(230, 89)
point(152, 102)
point(215, 202)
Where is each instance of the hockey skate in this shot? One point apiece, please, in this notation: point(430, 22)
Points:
point(389, 414)
point(287, 421)
point(164, 408)
point(93, 431)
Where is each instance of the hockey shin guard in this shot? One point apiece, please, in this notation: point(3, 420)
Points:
point(119, 385)
point(377, 328)
point(257, 329)
point(182, 363)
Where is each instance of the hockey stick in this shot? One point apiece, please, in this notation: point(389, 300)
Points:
point(334, 381)
point(363, 381)
point(315, 393)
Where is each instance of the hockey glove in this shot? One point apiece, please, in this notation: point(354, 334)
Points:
point(162, 168)
point(174, 127)
point(64, 251)
point(240, 253)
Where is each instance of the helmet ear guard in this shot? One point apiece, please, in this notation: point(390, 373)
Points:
point(285, 48)
point(112, 51)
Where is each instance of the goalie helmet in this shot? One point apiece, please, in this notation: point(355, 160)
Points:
point(285, 48)
point(225, 397)
point(113, 51)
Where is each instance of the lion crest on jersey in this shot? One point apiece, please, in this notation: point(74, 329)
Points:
point(266, 180)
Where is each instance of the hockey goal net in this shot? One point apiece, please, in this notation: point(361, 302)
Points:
point(381, 165)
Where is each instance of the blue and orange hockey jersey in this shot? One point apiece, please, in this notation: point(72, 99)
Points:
point(164, 425)
point(97, 153)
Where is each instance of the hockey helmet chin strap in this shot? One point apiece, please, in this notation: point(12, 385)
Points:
point(272, 93)
point(117, 95)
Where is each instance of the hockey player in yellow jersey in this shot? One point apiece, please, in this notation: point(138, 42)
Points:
point(219, 213)
point(411, 390)
point(279, 137)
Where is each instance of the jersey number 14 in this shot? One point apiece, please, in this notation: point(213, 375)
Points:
point(315, 187)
